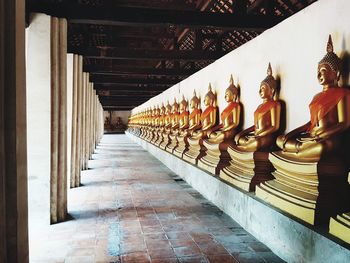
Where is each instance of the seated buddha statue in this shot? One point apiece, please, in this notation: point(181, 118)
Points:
point(167, 119)
point(191, 124)
point(154, 123)
point(208, 122)
point(167, 125)
point(329, 111)
point(216, 154)
point(183, 117)
point(174, 127)
point(249, 163)
point(174, 116)
point(311, 168)
point(208, 117)
point(230, 116)
point(194, 117)
point(262, 135)
point(160, 128)
point(157, 117)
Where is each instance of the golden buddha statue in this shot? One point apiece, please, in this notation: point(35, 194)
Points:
point(167, 120)
point(157, 117)
point(167, 124)
point(193, 124)
point(230, 116)
point(250, 165)
point(311, 169)
point(216, 155)
point(174, 127)
point(154, 124)
point(144, 124)
point(262, 134)
point(208, 117)
point(208, 122)
point(329, 111)
point(175, 116)
point(159, 130)
point(183, 117)
point(148, 123)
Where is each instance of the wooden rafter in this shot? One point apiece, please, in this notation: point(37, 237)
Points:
point(107, 15)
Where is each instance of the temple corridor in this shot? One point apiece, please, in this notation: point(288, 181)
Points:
point(131, 208)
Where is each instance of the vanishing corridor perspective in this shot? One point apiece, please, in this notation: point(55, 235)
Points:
point(131, 208)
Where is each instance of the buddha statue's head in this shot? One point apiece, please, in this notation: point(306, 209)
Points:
point(175, 107)
point(328, 71)
point(209, 98)
point(168, 108)
point(231, 93)
point(183, 104)
point(268, 85)
point(194, 103)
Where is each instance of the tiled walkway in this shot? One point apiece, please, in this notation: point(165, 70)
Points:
point(131, 208)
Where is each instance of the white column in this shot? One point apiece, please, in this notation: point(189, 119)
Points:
point(39, 119)
point(70, 154)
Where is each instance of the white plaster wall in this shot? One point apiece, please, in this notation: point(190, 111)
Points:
point(38, 119)
point(293, 47)
point(69, 112)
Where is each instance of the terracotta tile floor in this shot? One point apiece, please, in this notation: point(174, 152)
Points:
point(131, 208)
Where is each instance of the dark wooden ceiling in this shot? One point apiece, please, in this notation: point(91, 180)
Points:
point(136, 49)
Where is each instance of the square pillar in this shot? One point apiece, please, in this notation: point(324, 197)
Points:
point(13, 143)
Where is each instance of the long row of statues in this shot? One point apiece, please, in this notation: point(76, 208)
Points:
point(303, 172)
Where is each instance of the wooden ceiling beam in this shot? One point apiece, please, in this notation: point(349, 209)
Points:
point(108, 15)
point(95, 69)
point(136, 89)
point(121, 108)
point(121, 102)
point(146, 54)
point(117, 80)
point(117, 108)
point(126, 96)
point(129, 93)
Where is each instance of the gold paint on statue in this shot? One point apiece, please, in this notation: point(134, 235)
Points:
point(216, 155)
point(174, 127)
point(266, 120)
point(170, 120)
point(193, 124)
point(311, 171)
point(329, 116)
point(208, 122)
point(159, 131)
point(250, 165)
point(182, 123)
